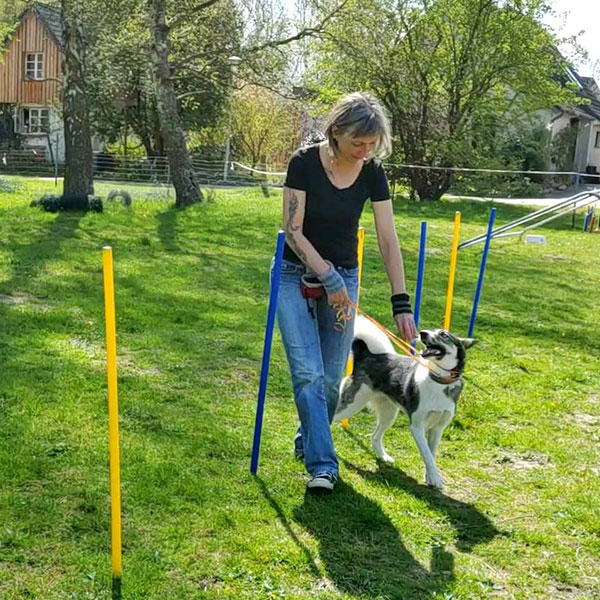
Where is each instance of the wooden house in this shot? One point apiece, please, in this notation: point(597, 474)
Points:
point(30, 81)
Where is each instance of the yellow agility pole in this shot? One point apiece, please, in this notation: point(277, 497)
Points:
point(113, 422)
point(360, 251)
point(453, 256)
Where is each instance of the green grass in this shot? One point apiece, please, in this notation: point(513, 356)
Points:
point(519, 518)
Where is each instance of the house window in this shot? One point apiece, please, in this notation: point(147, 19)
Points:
point(35, 120)
point(34, 66)
point(597, 142)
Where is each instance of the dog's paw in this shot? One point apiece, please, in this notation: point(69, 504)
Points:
point(386, 458)
point(434, 479)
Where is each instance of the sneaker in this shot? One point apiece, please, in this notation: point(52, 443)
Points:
point(298, 449)
point(322, 482)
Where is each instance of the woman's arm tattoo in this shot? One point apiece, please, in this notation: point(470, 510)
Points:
point(292, 210)
point(291, 228)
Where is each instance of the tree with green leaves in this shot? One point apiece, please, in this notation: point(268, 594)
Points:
point(266, 127)
point(261, 49)
point(121, 73)
point(450, 73)
point(120, 87)
point(9, 13)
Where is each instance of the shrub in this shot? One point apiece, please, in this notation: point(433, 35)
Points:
point(53, 203)
point(49, 202)
point(95, 204)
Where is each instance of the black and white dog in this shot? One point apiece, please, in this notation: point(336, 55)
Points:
point(389, 382)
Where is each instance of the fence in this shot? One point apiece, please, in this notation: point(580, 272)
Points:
point(491, 183)
point(134, 169)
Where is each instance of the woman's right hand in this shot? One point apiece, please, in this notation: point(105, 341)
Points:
point(338, 299)
point(335, 286)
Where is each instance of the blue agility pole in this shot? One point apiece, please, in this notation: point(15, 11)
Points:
point(264, 371)
point(420, 273)
point(482, 271)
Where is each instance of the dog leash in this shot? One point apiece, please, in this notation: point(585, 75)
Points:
point(404, 346)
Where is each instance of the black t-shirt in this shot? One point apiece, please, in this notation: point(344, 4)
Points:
point(331, 214)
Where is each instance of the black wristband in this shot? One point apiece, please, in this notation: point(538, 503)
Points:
point(401, 304)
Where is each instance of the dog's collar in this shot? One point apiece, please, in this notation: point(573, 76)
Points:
point(453, 376)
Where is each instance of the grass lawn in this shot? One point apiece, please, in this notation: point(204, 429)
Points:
point(520, 518)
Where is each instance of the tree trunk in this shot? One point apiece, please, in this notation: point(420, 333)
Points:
point(430, 184)
point(187, 190)
point(79, 180)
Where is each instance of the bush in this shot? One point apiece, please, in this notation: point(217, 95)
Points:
point(49, 202)
point(495, 185)
point(53, 203)
point(95, 204)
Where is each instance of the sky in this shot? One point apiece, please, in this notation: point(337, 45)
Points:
point(581, 15)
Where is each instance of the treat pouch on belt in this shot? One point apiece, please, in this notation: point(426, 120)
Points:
point(311, 287)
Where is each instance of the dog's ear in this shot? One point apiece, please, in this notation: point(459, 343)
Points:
point(468, 342)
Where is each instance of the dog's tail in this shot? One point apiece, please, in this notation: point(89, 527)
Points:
point(371, 338)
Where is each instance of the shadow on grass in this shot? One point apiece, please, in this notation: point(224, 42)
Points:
point(363, 552)
point(361, 548)
point(286, 525)
point(28, 260)
point(472, 527)
point(167, 225)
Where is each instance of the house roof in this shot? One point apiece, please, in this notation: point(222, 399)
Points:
point(592, 93)
point(49, 16)
point(52, 18)
point(586, 88)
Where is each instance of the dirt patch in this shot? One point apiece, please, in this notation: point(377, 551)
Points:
point(16, 299)
point(240, 375)
point(324, 585)
point(209, 583)
point(27, 300)
point(506, 425)
point(566, 592)
point(524, 462)
point(434, 251)
point(584, 421)
point(128, 367)
point(89, 348)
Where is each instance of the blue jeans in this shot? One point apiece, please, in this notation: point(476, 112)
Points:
point(317, 354)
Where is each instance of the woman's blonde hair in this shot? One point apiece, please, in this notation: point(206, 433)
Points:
point(356, 115)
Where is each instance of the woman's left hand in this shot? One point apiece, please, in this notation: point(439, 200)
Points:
point(406, 326)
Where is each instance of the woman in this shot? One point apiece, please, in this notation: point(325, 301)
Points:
point(324, 193)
